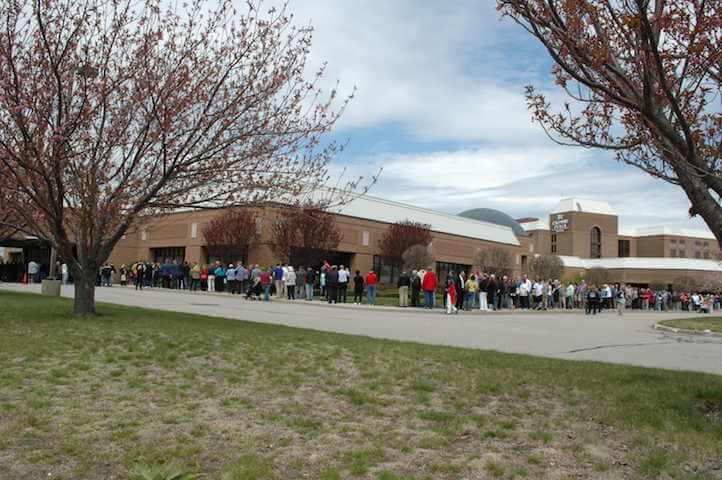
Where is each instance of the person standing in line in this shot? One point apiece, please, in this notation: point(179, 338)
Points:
point(358, 288)
point(332, 284)
point(266, 279)
point(310, 282)
point(231, 278)
point(593, 300)
point(460, 284)
point(300, 283)
point(322, 282)
point(415, 288)
point(483, 281)
point(403, 285)
point(621, 300)
point(570, 296)
point(371, 281)
point(471, 291)
point(343, 278)
point(195, 274)
point(241, 277)
point(451, 297)
point(278, 279)
point(220, 273)
point(290, 281)
point(429, 284)
point(212, 277)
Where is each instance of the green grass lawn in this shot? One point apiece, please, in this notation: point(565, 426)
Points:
point(701, 324)
point(136, 390)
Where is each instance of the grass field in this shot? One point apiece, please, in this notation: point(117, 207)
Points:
point(136, 390)
point(699, 324)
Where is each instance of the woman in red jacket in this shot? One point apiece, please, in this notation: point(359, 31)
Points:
point(371, 281)
point(451, 297)
point(428, 284)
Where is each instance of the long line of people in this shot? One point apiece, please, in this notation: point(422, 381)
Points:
point(334, 284)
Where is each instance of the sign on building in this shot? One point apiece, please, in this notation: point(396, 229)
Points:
point(560, 224)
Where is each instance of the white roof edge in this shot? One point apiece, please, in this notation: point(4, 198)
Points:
point(648, 263)
point(389, 211)
point(659, 230)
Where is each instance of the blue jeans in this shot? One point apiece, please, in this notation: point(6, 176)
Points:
point(309, 291)
point(371, 294)
point(470, 300)
point(429, 298)
point(266, 293)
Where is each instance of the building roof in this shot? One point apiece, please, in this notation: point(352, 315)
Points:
point(496, 217)
point(536, 224)
point(647, 263)
point(381, 210)
point(583, 205)
point(667, 231)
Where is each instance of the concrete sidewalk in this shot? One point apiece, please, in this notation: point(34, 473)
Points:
point(606, 337)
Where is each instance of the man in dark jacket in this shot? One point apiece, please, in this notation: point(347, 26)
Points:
point(332, 284)
point(403, 285)
point(310, 283)
point(415, 288)
point(460, 283)
point(491, 292)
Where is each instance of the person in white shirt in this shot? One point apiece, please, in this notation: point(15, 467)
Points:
point(64, 273)
point(538, 292)
point(289, 279)
point(343, 278)
point(525, 287)
point(33, 271)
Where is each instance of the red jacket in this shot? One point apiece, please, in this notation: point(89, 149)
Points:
point(371, 279)
point(452, 293)
point(429, 282)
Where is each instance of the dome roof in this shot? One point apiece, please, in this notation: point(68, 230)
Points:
point(496, 217)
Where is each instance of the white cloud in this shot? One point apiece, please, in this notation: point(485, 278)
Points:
point(436, 71)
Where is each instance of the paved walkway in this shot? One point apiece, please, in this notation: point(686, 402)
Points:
point(605, 337)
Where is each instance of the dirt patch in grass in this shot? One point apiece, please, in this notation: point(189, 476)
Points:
point(97, 398)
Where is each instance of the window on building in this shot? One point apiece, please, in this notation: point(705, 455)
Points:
point(706, 244)
point(698, 254)
point(706, 254)
point(681, 242)
point(697, 243)
point(596, 243)
point(623, 248)
point(554, 238)
point(554, 248)
point(673, 253)
point(387, 272)
point(683, 253)
point(443, 269)
point(674, 240)
point(168, 254)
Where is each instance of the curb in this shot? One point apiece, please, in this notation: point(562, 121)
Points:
point(686, 331)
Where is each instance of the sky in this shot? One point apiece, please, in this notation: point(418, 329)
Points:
point(440, 107)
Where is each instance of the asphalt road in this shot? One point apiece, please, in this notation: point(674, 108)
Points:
point(606, 337)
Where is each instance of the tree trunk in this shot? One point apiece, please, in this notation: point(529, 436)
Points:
point(85, 291)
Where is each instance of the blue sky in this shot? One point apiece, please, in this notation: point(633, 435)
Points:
point(440, 106)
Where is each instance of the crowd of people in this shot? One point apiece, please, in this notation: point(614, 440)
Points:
point(419, 288)
point(331, 283)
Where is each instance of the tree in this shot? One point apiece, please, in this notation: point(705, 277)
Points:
point(112, 112)
point(646, 79)
point(546, 267)
point(417, 257)
point(229, 235)
point(401, 236)
point(597, 276)
point(304, 235)
point(494, 260)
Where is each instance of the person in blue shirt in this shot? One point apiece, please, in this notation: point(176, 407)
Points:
point(231, 279)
